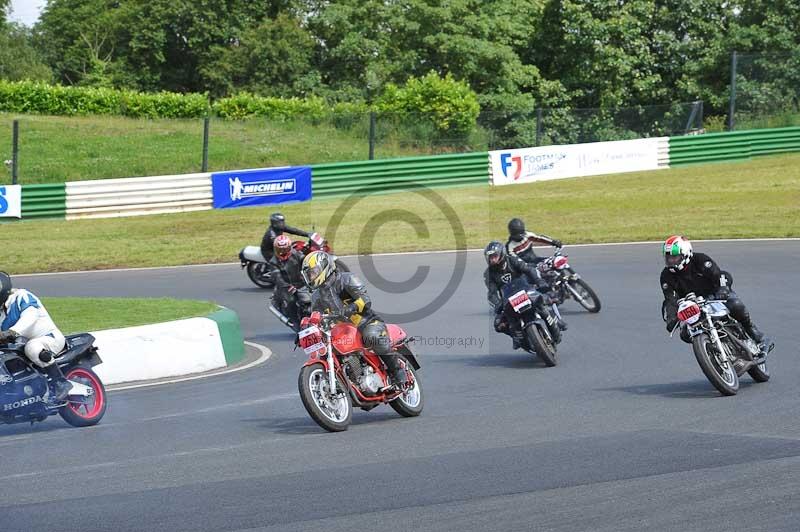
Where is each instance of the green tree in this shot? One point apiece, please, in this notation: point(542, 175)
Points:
point(19, 60)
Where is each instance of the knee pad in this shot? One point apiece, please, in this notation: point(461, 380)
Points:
point(737, 309)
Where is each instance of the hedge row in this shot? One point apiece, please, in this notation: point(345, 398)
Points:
point(40, 98)
point(448, 104)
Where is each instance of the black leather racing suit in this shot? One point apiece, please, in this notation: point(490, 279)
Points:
point(268, 240)
point(703, 277)
point(497, 277)
point(289, 284)
point(346, 294)
point(523, 247)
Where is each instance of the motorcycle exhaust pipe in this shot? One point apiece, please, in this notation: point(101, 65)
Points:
point(278, 314)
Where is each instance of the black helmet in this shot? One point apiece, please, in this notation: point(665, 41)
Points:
point(495, 254)
point(277, 220)
point(516, 227)
point(5, 287)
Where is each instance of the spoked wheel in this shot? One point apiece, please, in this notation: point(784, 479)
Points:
point(258, 272)
point(410, 403)
point(584, 295)
point(720, 374)
point(80, 410)
point(759, 373)
point(542, 344)
point(332, 411)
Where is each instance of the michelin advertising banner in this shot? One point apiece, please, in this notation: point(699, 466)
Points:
point(10, 201)
point(247, 188)
point(527, 165)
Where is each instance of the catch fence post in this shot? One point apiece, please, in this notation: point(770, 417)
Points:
point(538, 126)
point(15, 152)
point(732, 110)
point(372, 120)
point(206, 127)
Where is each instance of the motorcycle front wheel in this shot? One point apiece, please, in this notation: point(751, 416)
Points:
point(258, 272)
point(332, 411)
point(542, 345)
point(84, 411)
point(584, 295)
point(722, 376)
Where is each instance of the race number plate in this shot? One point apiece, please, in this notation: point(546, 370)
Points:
point(520, 301)
point(310, 340)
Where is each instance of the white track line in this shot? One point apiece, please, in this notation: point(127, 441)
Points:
point(265, 354)
point(432, 252)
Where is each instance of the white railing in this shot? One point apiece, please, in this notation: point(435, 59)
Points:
point(135, 196)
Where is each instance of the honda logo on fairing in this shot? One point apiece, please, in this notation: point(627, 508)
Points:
point(274, 187)
point(21, 403)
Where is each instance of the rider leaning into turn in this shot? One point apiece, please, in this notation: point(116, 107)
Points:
point(344, 293)
point(277, 227)
point(520, 242)
point(686, 271)
point(288, 262)
point(24, 315)
point(502, 269)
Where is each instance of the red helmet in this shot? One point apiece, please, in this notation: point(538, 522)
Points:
point(283, 247)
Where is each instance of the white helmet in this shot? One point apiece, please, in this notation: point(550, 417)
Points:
point(677, 253)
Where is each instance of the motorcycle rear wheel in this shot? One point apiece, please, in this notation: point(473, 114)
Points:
point(257, 273)
point(84, 411)
point(341, 266)
point(543, 347)
point(584, 295)
point(333, 414)
point(759, 373)
point(724, 379)
point(411, 403)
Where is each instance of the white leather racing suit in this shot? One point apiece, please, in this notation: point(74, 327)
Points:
point(25, 314)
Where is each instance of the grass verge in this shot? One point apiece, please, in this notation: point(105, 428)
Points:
point(55, 149)
point(81, 314)
point(759, 198)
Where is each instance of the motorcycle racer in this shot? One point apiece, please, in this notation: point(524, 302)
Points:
point(289, 283)
point(343, 293)
point(502, 268)
point(520, 242)
point(686, 271)
point(24, 315)
point(277, 226)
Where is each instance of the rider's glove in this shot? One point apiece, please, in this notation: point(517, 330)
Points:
point(557, 244)
point(723, 293)
point(292, 289)
point(350, 309)
point(6, 337)
point(671, 324)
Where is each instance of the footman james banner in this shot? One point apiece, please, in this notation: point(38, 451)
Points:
point(527, 165)
point(245, 188)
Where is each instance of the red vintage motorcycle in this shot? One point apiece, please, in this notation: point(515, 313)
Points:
point(341, 373)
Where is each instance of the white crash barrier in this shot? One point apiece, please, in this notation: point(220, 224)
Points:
point(527, 165)
point(161, 350)
point(108, 198)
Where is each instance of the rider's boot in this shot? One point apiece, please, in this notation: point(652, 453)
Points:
point(396, 371)
point(59, 383)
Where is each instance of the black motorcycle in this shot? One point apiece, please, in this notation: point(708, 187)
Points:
point(26, 395)
point(291, 308)
point(721, 346)
point(566, 283)
point(521, 306)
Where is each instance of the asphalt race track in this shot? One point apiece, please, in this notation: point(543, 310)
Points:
point(625, 434)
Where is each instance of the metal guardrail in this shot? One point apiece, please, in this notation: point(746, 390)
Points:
point(110, 198)
point(732, 146)
point(390, 175)
point(44, 201)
